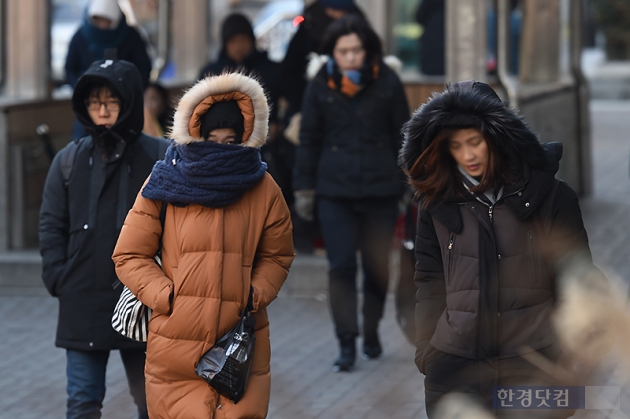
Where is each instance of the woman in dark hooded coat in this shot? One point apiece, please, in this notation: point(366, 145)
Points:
point(492, 226)
point(346, 168)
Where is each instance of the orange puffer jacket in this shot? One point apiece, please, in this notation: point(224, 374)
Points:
point(210, 257)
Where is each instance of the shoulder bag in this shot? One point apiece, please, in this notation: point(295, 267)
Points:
point(131, 317)
point(227, 364)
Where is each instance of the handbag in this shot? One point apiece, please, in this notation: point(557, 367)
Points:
point(131, 317)
point(227, 364)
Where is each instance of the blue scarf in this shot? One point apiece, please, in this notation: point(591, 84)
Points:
point(350, 82)
point(101, 39)
point(205, 173)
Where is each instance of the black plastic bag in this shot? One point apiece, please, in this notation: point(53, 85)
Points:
point(227, 364)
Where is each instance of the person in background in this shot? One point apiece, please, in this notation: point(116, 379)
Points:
point(431, 15)
point(105, 27)
point(158, 114)
point(104, 34)
point(89, 189)
point(239, 53)
point(353, 111)
point(227, 231)
point(306, 41)
point(493, 227)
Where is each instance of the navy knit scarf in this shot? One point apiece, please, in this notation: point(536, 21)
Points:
point(205, 173)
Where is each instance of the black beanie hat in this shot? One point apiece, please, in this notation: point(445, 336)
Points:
point(236, 24)
point(223, 115)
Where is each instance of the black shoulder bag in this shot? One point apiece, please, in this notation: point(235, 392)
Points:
point(227, 364)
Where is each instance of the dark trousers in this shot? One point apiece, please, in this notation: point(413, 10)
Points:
point(447, 373)
point(86, 381)
point(350, 225)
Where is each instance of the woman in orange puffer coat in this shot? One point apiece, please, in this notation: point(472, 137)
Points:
point(227, 227)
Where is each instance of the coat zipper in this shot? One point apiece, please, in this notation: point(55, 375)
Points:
point(491, 207)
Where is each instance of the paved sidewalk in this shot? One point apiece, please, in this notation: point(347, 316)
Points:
point(32, 370)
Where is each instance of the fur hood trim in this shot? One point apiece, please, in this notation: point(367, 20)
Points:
point(246, 90)
point(316, 62)
point(473, 104)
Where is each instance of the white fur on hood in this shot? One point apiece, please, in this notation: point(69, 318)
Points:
point(106, 8)
point(215, 85)
point(316, 62)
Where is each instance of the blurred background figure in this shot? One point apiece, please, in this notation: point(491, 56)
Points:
point(431, 15)
point(239, 53)
point(158, 113)
point(306, 41)
point(516, 18)
point(346, 161)
point(104, 29)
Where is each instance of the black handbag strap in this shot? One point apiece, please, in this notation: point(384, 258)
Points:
point(162, 221)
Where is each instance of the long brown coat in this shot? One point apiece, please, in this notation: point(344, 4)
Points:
point(210, 256)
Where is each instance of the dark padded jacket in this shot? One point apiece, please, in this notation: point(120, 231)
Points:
point(485, 273)
point(348, 146)
point(80, 219)
point(125, 39)
point(258, 65)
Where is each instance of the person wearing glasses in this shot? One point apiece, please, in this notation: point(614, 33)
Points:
point(346, 174)
point(91, 185)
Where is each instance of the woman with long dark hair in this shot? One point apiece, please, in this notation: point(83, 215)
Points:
point(493, 224)
point(353, 111)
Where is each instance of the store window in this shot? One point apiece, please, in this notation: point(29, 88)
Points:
point(407, 33)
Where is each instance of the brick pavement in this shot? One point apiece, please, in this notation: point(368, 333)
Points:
point(32, 376)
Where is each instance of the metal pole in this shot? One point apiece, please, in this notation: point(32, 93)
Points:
point(582, 93)
point(466, 49)
point(503, 51)
point(164, 34)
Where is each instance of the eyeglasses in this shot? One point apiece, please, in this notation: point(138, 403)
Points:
point(112, 105)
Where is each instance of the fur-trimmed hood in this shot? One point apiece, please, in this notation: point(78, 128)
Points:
point(474, 104)
point(244, 89)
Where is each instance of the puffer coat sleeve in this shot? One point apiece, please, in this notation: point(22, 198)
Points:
point(54, 225)
point(429, 278)
point(274, 254)
point(142, 232)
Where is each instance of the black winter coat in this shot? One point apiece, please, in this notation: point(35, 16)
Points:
point(260, 66)
point(486, 273)
point(80, 219)
point(348, 146)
